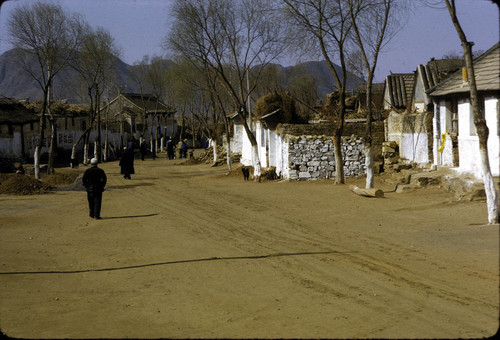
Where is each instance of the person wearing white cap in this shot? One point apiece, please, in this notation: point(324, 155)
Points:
point(94, 180)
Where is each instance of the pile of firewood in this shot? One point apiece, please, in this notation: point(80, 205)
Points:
point(207, 156)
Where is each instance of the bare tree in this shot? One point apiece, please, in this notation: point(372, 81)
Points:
point(95, 64)
point(479, 118)
point(371, 24)
point(229, 37)
point(47, 38)
point(324, 26)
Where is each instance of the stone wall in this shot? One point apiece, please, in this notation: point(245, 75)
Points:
point(312, 157)
point(326, 129)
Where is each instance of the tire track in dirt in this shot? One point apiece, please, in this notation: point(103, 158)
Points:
point(221, 218)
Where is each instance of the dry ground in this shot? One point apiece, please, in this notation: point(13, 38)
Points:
point(184, 251)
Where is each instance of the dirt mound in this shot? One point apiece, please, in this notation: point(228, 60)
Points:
point(60, 178)
point(190, 161)
point(17, 184)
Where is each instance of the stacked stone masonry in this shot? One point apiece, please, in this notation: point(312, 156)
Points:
point(313, 157)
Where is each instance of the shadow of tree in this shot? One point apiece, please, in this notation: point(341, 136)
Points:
point(125, 186)
point(130, 216)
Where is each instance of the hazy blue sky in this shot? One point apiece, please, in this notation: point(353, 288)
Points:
point(139, 26)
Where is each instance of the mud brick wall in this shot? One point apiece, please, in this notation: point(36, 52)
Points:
point(312, 157)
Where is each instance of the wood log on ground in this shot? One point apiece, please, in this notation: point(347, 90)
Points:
point(367, 192)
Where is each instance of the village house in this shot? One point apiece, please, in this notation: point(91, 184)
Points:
point(409, 122)
point(18, 124)
point(453, 116)
point(121, 120)
point(131, 114)
point(21, 132)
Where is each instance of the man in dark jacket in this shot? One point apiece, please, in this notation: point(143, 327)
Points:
point(94, 179)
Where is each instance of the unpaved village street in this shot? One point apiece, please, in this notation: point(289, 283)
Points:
point(184, 251)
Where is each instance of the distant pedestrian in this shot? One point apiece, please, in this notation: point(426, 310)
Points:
point(183, 150)
point(143, 150)
point(127, 162)
point(170, 149)
point(94, 180)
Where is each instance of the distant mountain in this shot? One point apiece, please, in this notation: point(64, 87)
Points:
point(325, 80)
point(16, 83)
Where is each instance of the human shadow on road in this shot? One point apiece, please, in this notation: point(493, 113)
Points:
point(131, 216)
point(125, 186)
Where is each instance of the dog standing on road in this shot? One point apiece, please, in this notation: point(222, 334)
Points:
point(246, 173)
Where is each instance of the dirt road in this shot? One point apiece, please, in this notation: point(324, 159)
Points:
point(184, 251)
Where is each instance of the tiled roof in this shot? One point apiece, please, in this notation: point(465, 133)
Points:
point(486, 69)
point(436, 71)
point(11, 111)
point(400, 88)
point(148, 101)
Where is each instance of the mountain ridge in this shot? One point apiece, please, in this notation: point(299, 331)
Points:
point(16, 83)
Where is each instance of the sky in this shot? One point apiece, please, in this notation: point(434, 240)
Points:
point(139, 27)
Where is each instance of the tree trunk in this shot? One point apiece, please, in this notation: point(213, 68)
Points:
point(367, 192)
point(339, 164)
point(228, 148)
point(73, 157)
point(255, 152)
point(86, 151)
point(37, 162)
point(39, 146)
point(214, 149)
point(98, 139)
point(52, 146)
point(368, 136)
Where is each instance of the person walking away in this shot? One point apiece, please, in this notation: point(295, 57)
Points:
point(94, 180)
point(143, 149)
point(171, 149)
point(183, 152)
point(127, 163)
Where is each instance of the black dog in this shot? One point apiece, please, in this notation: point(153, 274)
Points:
point(246, 173)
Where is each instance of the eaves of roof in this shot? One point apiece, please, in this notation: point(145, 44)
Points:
point(487, 75)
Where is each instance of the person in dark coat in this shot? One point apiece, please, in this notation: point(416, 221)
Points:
point(183, 151)
point(94, 180)
point(143, 149)
point(170, 149)
point(127, 163)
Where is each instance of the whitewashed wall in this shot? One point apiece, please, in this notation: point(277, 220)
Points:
point(442, 124)
point(413, 146)
point(468, 142)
